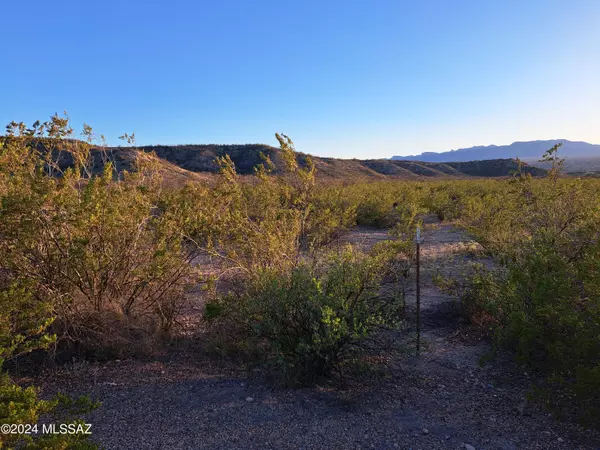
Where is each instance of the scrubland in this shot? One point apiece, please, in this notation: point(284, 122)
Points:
point(102, 266)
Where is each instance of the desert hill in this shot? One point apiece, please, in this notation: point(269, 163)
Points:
point(201, 159)
point(183, 163)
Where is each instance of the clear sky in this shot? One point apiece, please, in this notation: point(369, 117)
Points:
point(346, 78)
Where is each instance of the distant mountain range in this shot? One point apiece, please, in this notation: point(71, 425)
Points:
point(523, 150)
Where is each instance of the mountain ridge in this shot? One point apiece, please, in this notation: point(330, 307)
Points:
point(518, 149)
point(198, 162)
point(200, 158)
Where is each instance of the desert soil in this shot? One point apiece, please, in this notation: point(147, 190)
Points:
point(442, 399)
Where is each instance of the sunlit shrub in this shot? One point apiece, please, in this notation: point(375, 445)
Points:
point(97, 248)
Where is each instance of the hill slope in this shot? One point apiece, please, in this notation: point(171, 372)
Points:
point(184, 163)
point(523, 150)
point(201, 158)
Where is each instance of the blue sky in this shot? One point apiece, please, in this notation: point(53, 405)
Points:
point(347, 79)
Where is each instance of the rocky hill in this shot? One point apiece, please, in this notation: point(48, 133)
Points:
point(184, 163)
point(201, 158)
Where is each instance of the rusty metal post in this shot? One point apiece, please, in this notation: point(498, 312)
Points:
point(418, 242)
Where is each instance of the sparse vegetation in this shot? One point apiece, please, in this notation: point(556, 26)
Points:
point(543, 302)
point(98, 260)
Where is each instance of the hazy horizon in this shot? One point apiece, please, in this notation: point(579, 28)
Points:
point(342, 79)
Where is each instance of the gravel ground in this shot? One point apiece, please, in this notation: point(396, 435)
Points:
point(442, 399)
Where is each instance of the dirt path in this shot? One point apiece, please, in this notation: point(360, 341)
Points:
point(440, 400)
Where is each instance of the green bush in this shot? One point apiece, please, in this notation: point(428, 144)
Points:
point(479, 291)
point(98, 249)
point(332, 212)
point(543, 308)
point(545, 302)
point(312, 319)
point(24, 322)
point(20, 405)
point(386, 204)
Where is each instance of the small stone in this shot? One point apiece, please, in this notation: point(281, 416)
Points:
point(547, 433)
point(425, 431)
point(447, 437)
point(249, 399)
point(468, 447)
point(561, 439)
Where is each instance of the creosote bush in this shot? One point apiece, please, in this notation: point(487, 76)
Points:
point(312, 319)
point(544, 301)
point(95, 249)
point(303, 309)
point(385, 204)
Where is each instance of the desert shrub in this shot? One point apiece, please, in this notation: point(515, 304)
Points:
point(545, 310)
point(332, 212)
point(302, 310)
point(24, 322)
point(262, 223)
point(311, 319)
point(20, 405)
point(546, 301)
point(375, 211)
point(97, 248)
point(479, 291)
point(452, 200)
point(265, 222)
point(442, 203)
point(385, 204)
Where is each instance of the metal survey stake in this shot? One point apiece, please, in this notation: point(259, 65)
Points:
point(418, 242)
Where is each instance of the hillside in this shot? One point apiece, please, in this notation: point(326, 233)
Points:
point(201, 159)
point(182, 163)
point(524, 150)
point(576, 166)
